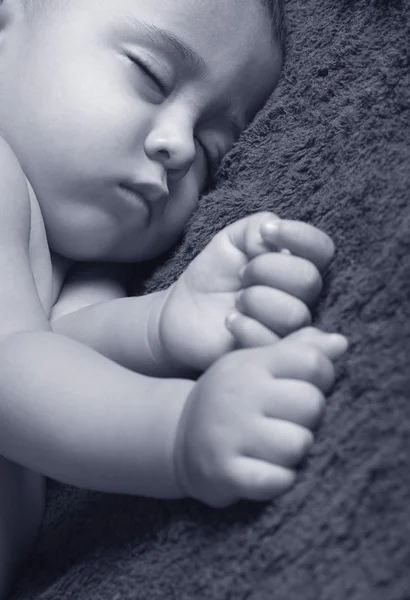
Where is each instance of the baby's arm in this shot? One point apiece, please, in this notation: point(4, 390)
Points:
point(94, 309)
point(183, 330)
point(97, 313)
point(65, 410)
point(73, 415)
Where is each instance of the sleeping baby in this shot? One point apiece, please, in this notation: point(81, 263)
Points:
point(114, 116)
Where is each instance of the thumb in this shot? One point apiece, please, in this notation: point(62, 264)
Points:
point(246, 233)
point(333, 345)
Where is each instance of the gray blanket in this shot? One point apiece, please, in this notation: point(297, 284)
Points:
point(332, 147)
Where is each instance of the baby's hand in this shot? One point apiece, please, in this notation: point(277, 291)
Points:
point(280, 282)
point(250, 419)
point(242, 290)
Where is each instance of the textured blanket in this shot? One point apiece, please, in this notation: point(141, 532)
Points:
point(332, 147)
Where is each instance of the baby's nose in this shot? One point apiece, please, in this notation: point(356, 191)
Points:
point(173, 148)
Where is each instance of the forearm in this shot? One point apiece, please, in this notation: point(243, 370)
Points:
point(72, 415)
point(123, 330)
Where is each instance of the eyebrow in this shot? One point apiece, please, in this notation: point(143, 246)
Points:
point(185, 54)
point(171, 44)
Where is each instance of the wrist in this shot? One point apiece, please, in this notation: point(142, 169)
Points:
point(180, 449)
point(164, 344)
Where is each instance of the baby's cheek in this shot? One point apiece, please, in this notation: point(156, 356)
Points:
point(180, 206)
point(184, 197)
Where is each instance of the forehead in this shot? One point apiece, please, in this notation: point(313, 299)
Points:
point(226, 32)
point(230, 40)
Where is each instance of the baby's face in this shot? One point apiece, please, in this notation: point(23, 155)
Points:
point(117, 109)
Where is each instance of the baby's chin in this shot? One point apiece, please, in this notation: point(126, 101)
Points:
point(95, 231)
point(99, 247)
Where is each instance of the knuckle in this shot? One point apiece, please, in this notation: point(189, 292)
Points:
point(264, 216)
point(260, 266)
point(317, 404)
point(314, 361)
point(303, 335)
point(244, 480)
point(298, 315)
point(308, 333)
point(255, 480)
point(249, 297)
point(321, 370)
point(252, 270)
point(311, 279)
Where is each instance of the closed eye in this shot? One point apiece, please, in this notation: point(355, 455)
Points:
point(150, 73)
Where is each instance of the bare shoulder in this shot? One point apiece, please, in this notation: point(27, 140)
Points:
point(14, 194)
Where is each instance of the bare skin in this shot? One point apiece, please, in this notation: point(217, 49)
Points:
point(22, 493)
point(194, 438)
point(109, 172)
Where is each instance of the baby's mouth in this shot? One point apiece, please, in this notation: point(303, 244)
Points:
point(134, 200)
point(153, 196)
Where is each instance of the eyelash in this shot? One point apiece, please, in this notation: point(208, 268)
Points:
point(147, 69)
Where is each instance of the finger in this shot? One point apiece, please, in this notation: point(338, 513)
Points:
point(291, 274)
point(248, 333)
point(278, 311)
point(279, 442)
point(301, 239)
point(258, 480)
point(246, 234)
point(290, 360)
point(296, 401)
point(333, 345)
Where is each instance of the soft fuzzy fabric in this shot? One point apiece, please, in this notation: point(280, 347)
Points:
point(331, 148)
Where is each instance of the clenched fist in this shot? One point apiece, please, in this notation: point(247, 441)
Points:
point(242, 290)
point(250, 418)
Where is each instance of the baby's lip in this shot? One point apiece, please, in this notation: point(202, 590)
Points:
point(149, 192)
